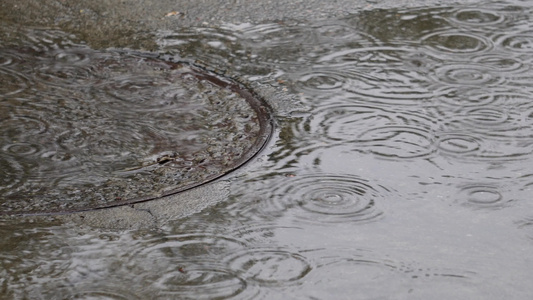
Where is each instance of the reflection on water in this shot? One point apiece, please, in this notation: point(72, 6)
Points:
point(407, 177)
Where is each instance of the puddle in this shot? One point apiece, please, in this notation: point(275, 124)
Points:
point(84, 129)
point(405, 174)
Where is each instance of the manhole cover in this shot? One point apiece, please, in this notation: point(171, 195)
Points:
point(82, 129)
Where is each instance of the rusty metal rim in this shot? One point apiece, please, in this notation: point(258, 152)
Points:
point(260, 107)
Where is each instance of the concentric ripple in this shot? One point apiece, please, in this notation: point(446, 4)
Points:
point(111, 293)
point(272, 267)
point(467, 74)
point(482, 147)
point(456, 42)
point(181, 265)
point(337, 199)
point(213, 284)
point(358, 271)
point(518, 42)
point(477, 17)
point(378, 74)
point(12, 82)
point(482, 196)
point(389, 134)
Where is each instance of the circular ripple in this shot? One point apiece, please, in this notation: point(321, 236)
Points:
point(486, 117)
point(380, 74)
point(398, 142)
point(455, 42)
point(341, 123)
point(470, 96)
point(482, 196)
point(484, 146)
point(103, 294)
point(477, 17)
point(183, 265)
point(22, 124)
point(467, 74)
point(501, 63)
point(325, 198)
point(12, 82)
point(321, 81)
point(21, 149)
point(169, 252)
point(458, 144)
point(270, 267)
point(334, 32)
point(200, 284)
point(519, 42)
point(392, 134)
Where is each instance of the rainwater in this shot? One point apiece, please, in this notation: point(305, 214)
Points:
point(406, 174)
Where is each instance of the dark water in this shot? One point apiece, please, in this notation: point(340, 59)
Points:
point(407, 177)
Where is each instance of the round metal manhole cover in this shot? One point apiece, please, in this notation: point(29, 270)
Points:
point(82, 129)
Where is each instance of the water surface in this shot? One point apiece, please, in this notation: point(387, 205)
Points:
point(406, 176)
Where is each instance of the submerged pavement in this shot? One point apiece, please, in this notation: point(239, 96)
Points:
point(135, 25)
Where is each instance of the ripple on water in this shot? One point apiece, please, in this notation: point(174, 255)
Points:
point(322, 199)
point(187, 247)
point(517, 42)
point(387, 133)
point(64, 67)
point(459, 144)
point(322, 81)
point(183, 265)
point(12, 82)
point(201, 283)
point(459, 97)
point(482, 196)
point(456, 42)
point(379, 74)
point(503, 64)
point(272, 267)
point(477, 17)
point(357, 271)
point(465, 145)
point(468, 74)
point(112, 293)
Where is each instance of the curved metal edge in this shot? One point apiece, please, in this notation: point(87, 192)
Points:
point(266, 130)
